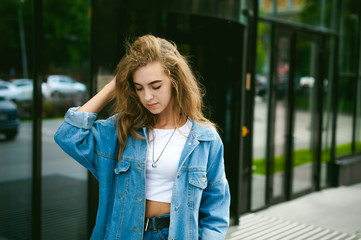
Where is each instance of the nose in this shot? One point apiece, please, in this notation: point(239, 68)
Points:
point(148, 94)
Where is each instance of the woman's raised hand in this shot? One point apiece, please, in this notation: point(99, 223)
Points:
point(101, 99)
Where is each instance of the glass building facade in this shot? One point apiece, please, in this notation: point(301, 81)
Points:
point(282, 80)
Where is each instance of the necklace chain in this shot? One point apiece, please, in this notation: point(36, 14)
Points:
point(154, 164)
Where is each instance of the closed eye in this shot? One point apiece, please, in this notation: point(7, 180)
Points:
point(156, 87)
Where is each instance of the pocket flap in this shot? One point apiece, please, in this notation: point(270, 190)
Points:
point(198, 179)
point(123, 166)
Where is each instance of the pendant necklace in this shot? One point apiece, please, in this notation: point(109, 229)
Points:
point(154, 164)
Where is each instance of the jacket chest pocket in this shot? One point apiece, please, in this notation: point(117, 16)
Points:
point(122, 172)
point(197, 183)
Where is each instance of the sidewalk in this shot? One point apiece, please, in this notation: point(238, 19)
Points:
point(333, 213)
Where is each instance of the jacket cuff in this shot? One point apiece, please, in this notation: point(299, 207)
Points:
point(83, 120)
point(207, 234)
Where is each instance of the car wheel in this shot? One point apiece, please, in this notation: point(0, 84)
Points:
point(10, 135)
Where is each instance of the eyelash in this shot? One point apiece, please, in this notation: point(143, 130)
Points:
point(140, 89)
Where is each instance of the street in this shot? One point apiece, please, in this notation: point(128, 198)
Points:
point(16, 156)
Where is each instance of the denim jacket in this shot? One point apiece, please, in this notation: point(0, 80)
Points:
point(200, 196)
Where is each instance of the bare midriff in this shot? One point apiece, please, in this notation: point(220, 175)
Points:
point(154, 208)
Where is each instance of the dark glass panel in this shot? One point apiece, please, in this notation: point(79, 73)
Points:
point(318, 13)
point(327, 113)
point(260, 115)
point(348, 40)
point(305, 103)
point(66, 82)
point(281, 105)
point(344, 117)
point(16, 89)
point(358, 118)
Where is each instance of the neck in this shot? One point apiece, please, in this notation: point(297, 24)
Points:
point(169, 122)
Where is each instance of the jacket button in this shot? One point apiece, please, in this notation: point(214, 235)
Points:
point(203, 179)
point(176, 208)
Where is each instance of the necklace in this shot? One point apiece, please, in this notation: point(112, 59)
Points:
point(154, 164)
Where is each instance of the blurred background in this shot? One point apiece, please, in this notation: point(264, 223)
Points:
point(282, 80)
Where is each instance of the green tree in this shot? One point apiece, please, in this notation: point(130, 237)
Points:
point(66, 33)
point(66, 27)
point(10, 34)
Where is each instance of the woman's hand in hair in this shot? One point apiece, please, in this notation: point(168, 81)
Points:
point(101, 99)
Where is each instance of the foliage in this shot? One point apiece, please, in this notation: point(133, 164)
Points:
point(263, 47)
point(344, 149)
point(301, 157)
point(66, 28)
point(10, 38)
point(66, 33)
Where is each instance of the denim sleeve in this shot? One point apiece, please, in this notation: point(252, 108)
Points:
point(215, 203)
point(76, 138)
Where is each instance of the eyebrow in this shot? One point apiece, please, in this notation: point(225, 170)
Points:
point(155, 81)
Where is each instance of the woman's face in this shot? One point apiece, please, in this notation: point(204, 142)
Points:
point(154, 89)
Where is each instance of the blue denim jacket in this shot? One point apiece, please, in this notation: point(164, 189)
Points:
point(200, 200)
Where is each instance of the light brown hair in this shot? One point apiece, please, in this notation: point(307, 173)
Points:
point(132, 115)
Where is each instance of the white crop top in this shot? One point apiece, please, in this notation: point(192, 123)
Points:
point(160, 180)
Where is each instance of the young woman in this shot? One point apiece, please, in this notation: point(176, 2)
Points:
point(158, 160)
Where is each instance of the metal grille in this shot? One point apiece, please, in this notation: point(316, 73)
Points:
point(64, 209)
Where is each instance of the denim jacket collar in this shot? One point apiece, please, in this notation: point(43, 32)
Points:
point(200, 133)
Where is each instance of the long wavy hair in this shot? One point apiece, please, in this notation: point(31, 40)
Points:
point(187, 93)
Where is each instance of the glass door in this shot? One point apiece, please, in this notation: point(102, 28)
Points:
point(280, 85)
point(304, 134)
point(294, 132)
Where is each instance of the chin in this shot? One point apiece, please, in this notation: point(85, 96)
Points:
point(153, 111)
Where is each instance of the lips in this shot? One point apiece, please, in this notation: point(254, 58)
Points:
point(152, 105)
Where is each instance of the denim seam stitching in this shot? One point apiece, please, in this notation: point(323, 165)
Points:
point(216, 182)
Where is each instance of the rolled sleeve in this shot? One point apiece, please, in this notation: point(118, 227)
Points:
point(75, 136)
point(210, 234)
point(82, 120)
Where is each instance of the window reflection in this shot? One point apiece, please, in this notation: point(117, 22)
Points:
point(304, 127)
point(349, 26)
point(327, 114)
point(344, 117)
point(260, 116)
point(311, 12)
point(15, 120)
point(281, 105)
point(358, 118)
point(65, 84)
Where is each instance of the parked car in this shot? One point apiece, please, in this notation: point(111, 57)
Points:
point(62, 85)
point(9, 118)
point(25, 85)
point(9, 91)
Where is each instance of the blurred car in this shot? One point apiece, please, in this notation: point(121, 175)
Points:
point(9, 118)
point(9, 91)
point(25, 85)
point(62, 85)
point(307, 82)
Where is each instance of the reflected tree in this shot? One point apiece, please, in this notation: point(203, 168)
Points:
point(66, 27)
